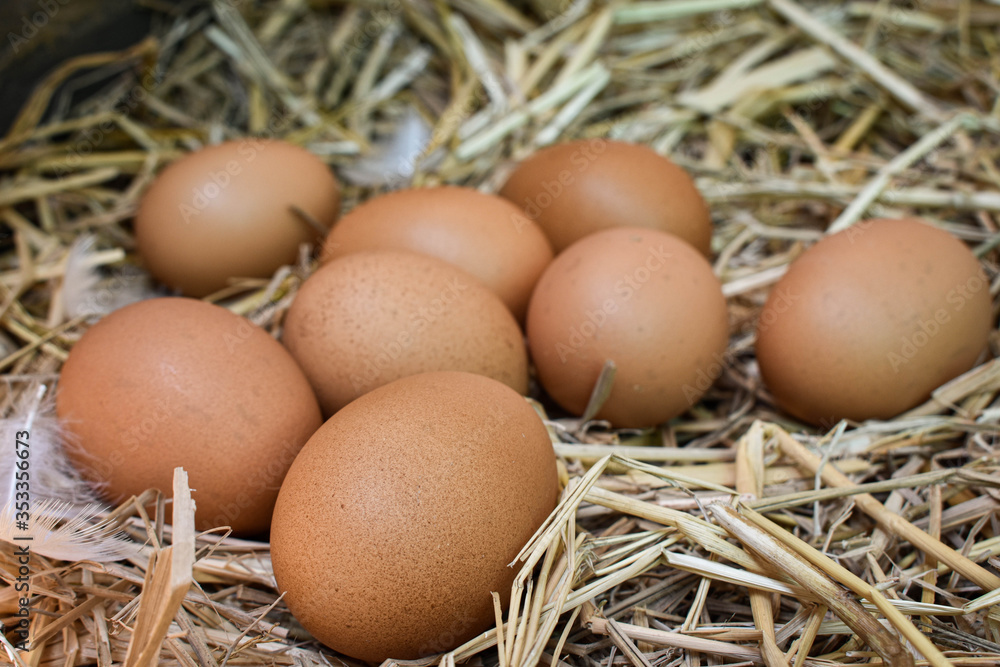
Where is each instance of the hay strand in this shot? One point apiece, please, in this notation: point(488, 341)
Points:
point(795, 119)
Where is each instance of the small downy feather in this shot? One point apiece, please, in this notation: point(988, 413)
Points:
point(64, 517)
point(86, 292)
point(394, 159)
point(70, 532)
point(7, 346)
point(52, 475)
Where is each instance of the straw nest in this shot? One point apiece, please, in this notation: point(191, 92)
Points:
point(729, 536)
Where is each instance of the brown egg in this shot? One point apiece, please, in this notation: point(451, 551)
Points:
point(867, 322)
point(486, 235)
point(581, 187)
point(642, 298)
point(369, 318)
point(178, 382)
point(229, 211)
point(400, 516)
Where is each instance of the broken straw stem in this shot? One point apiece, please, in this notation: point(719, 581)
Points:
point(847, 578)
point(898, 87)
point(749, 474)
point(889, 521)
point(883, 642)
point(599, 626)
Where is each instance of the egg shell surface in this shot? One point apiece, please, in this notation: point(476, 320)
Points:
point(229, 211)
point(368, 318)
point(400, 515)
point(174, 382)
point(581, 187)
point(484, 234)
point(870, 320)
point(642, 298)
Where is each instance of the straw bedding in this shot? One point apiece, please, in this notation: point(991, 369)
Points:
point(732, 535)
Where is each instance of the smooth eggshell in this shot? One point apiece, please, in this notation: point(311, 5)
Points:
point(178, 382)
point(581, 187)
point(226, 211)
point(486, 235)
point(369, 318)
point(400, 515)
point(642, 298)
point(867, 322)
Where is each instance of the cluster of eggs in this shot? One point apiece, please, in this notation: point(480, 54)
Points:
point(385, 441)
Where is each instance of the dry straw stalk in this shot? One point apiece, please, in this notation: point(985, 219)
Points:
point(796, 117)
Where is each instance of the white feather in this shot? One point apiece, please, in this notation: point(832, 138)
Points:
point(69, 532)
point(64, 517)
point(52, 474)
point(86, 292)
point(7, 346)
point(393, 160)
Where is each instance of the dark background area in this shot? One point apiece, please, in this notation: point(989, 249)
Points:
point(38, 35)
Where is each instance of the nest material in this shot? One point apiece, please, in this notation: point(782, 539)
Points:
point(856, 546)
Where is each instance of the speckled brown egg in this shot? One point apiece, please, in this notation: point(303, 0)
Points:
point(366, 319)
point(486, 235)
point(240, 209)
point(400, 515)
point(867, 322)
point(581, 187)
point(178, 382)
point(642, 298)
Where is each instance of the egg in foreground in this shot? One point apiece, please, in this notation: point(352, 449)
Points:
point(870, 320)
point(239, 209)
point(366, 319)
point(581, 187)
point(179, 382)
point(483, 234)
point(642, 298)
point(400, 515)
